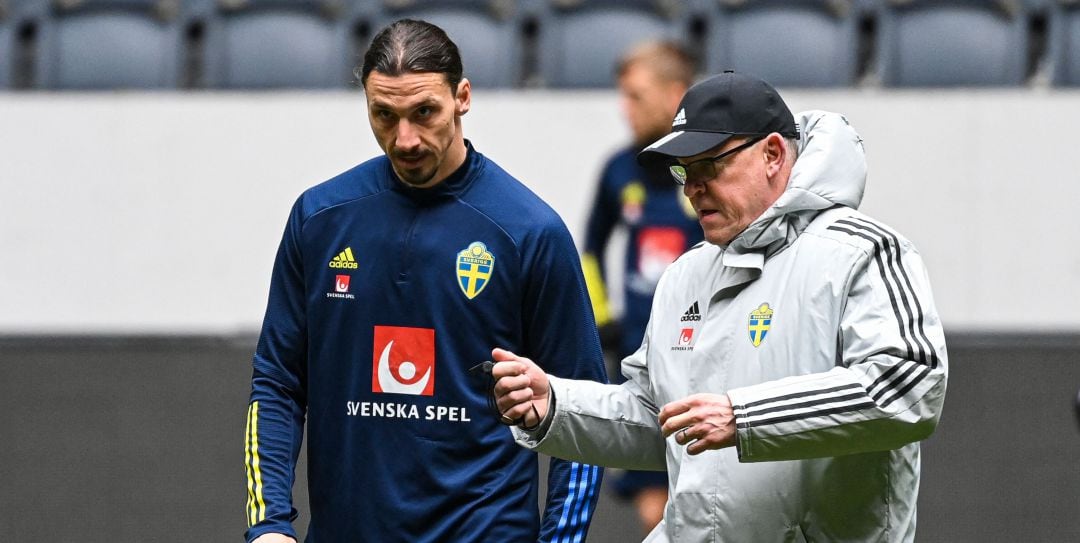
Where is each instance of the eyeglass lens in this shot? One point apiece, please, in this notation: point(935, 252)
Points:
point(705, 169)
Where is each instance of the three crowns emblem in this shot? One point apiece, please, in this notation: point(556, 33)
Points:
point(760, 322)
point(474, 266)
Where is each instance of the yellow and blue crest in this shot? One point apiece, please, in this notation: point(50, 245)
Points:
point(474, 266)
point(760, 321)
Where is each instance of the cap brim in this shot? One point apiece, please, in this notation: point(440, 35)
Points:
point(680, 144)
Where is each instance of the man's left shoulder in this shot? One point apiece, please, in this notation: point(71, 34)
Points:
point(496, 182)
point(509, 202)
point(851, 227)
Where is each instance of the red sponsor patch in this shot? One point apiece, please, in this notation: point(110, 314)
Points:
point(403, 361)
point(341, 284)
point(686, 338)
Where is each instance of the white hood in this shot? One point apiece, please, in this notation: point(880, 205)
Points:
point(830, 171)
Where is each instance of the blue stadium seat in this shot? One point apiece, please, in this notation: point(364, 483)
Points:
point(109, 44)
point(580, 41)
point(264, 44)
point(790, 43)
point(486, 33)
point(1065, 44)
point(941, 43)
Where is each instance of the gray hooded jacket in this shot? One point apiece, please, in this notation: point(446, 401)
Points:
point(819, 325)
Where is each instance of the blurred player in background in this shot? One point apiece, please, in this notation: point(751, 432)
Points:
point(792, 363)
point(660, 224)
point(385, 277)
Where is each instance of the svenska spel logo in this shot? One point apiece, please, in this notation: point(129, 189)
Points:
point(403, 361)
point(341, 284)
point(685, 341)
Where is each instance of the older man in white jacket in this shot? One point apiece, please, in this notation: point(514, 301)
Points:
point(792, 363)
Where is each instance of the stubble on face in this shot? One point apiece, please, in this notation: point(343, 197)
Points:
point(413, 118)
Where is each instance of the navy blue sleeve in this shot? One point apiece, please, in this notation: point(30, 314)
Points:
point(560, 334)
point(603, 216)
point(275, 421)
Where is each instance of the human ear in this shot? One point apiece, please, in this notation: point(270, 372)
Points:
point(775, 153)
point(463, 98)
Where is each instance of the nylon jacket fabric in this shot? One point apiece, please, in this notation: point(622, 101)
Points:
point(382, 297)
point(819, 324)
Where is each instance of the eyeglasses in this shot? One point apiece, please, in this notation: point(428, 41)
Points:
point(700, 171)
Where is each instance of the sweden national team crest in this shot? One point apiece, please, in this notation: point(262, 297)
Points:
point(760, 321)
point(474, 266)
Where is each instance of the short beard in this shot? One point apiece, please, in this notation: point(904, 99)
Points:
point(418, 177)
point(417, 181)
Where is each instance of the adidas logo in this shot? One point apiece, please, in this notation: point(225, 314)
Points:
point(680, 118)
point(344, 260)
point(691, 314)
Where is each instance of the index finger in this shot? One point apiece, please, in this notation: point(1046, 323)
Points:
point(511, 368)
point(506, 364)
point(500, 355)
point(673, 409)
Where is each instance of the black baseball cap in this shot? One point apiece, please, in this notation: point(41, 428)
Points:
point(716, 109)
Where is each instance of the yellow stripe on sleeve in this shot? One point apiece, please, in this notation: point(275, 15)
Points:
point(247, 469)
point(260, 506)
point(594, 282)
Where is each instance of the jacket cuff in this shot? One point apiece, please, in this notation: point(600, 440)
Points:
point(743, 434)
point(532, 438)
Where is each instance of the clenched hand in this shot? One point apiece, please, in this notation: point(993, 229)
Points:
point(521, 389)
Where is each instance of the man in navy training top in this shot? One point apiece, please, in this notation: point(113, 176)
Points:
point(659, 221)
point(385, 276)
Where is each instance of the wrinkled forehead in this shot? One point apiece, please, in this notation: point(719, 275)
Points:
point(406, 89)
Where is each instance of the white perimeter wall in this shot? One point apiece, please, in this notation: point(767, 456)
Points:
point(160, 213)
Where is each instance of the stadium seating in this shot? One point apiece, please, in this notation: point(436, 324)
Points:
point(559, 44)
point(260, 44)
point(487, 34)
point(801, 43)
point(7, 47)
point(1065, 44)
point(109, 44)
point(580, 41)
point(942, 43)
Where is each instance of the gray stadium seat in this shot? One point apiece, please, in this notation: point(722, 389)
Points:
point(1065, 44)
point(263, 44)
point(799, 43)
point(109, 44)
point(939, 43)
point(7, 47)
point(580, 41)
point(486, 33)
